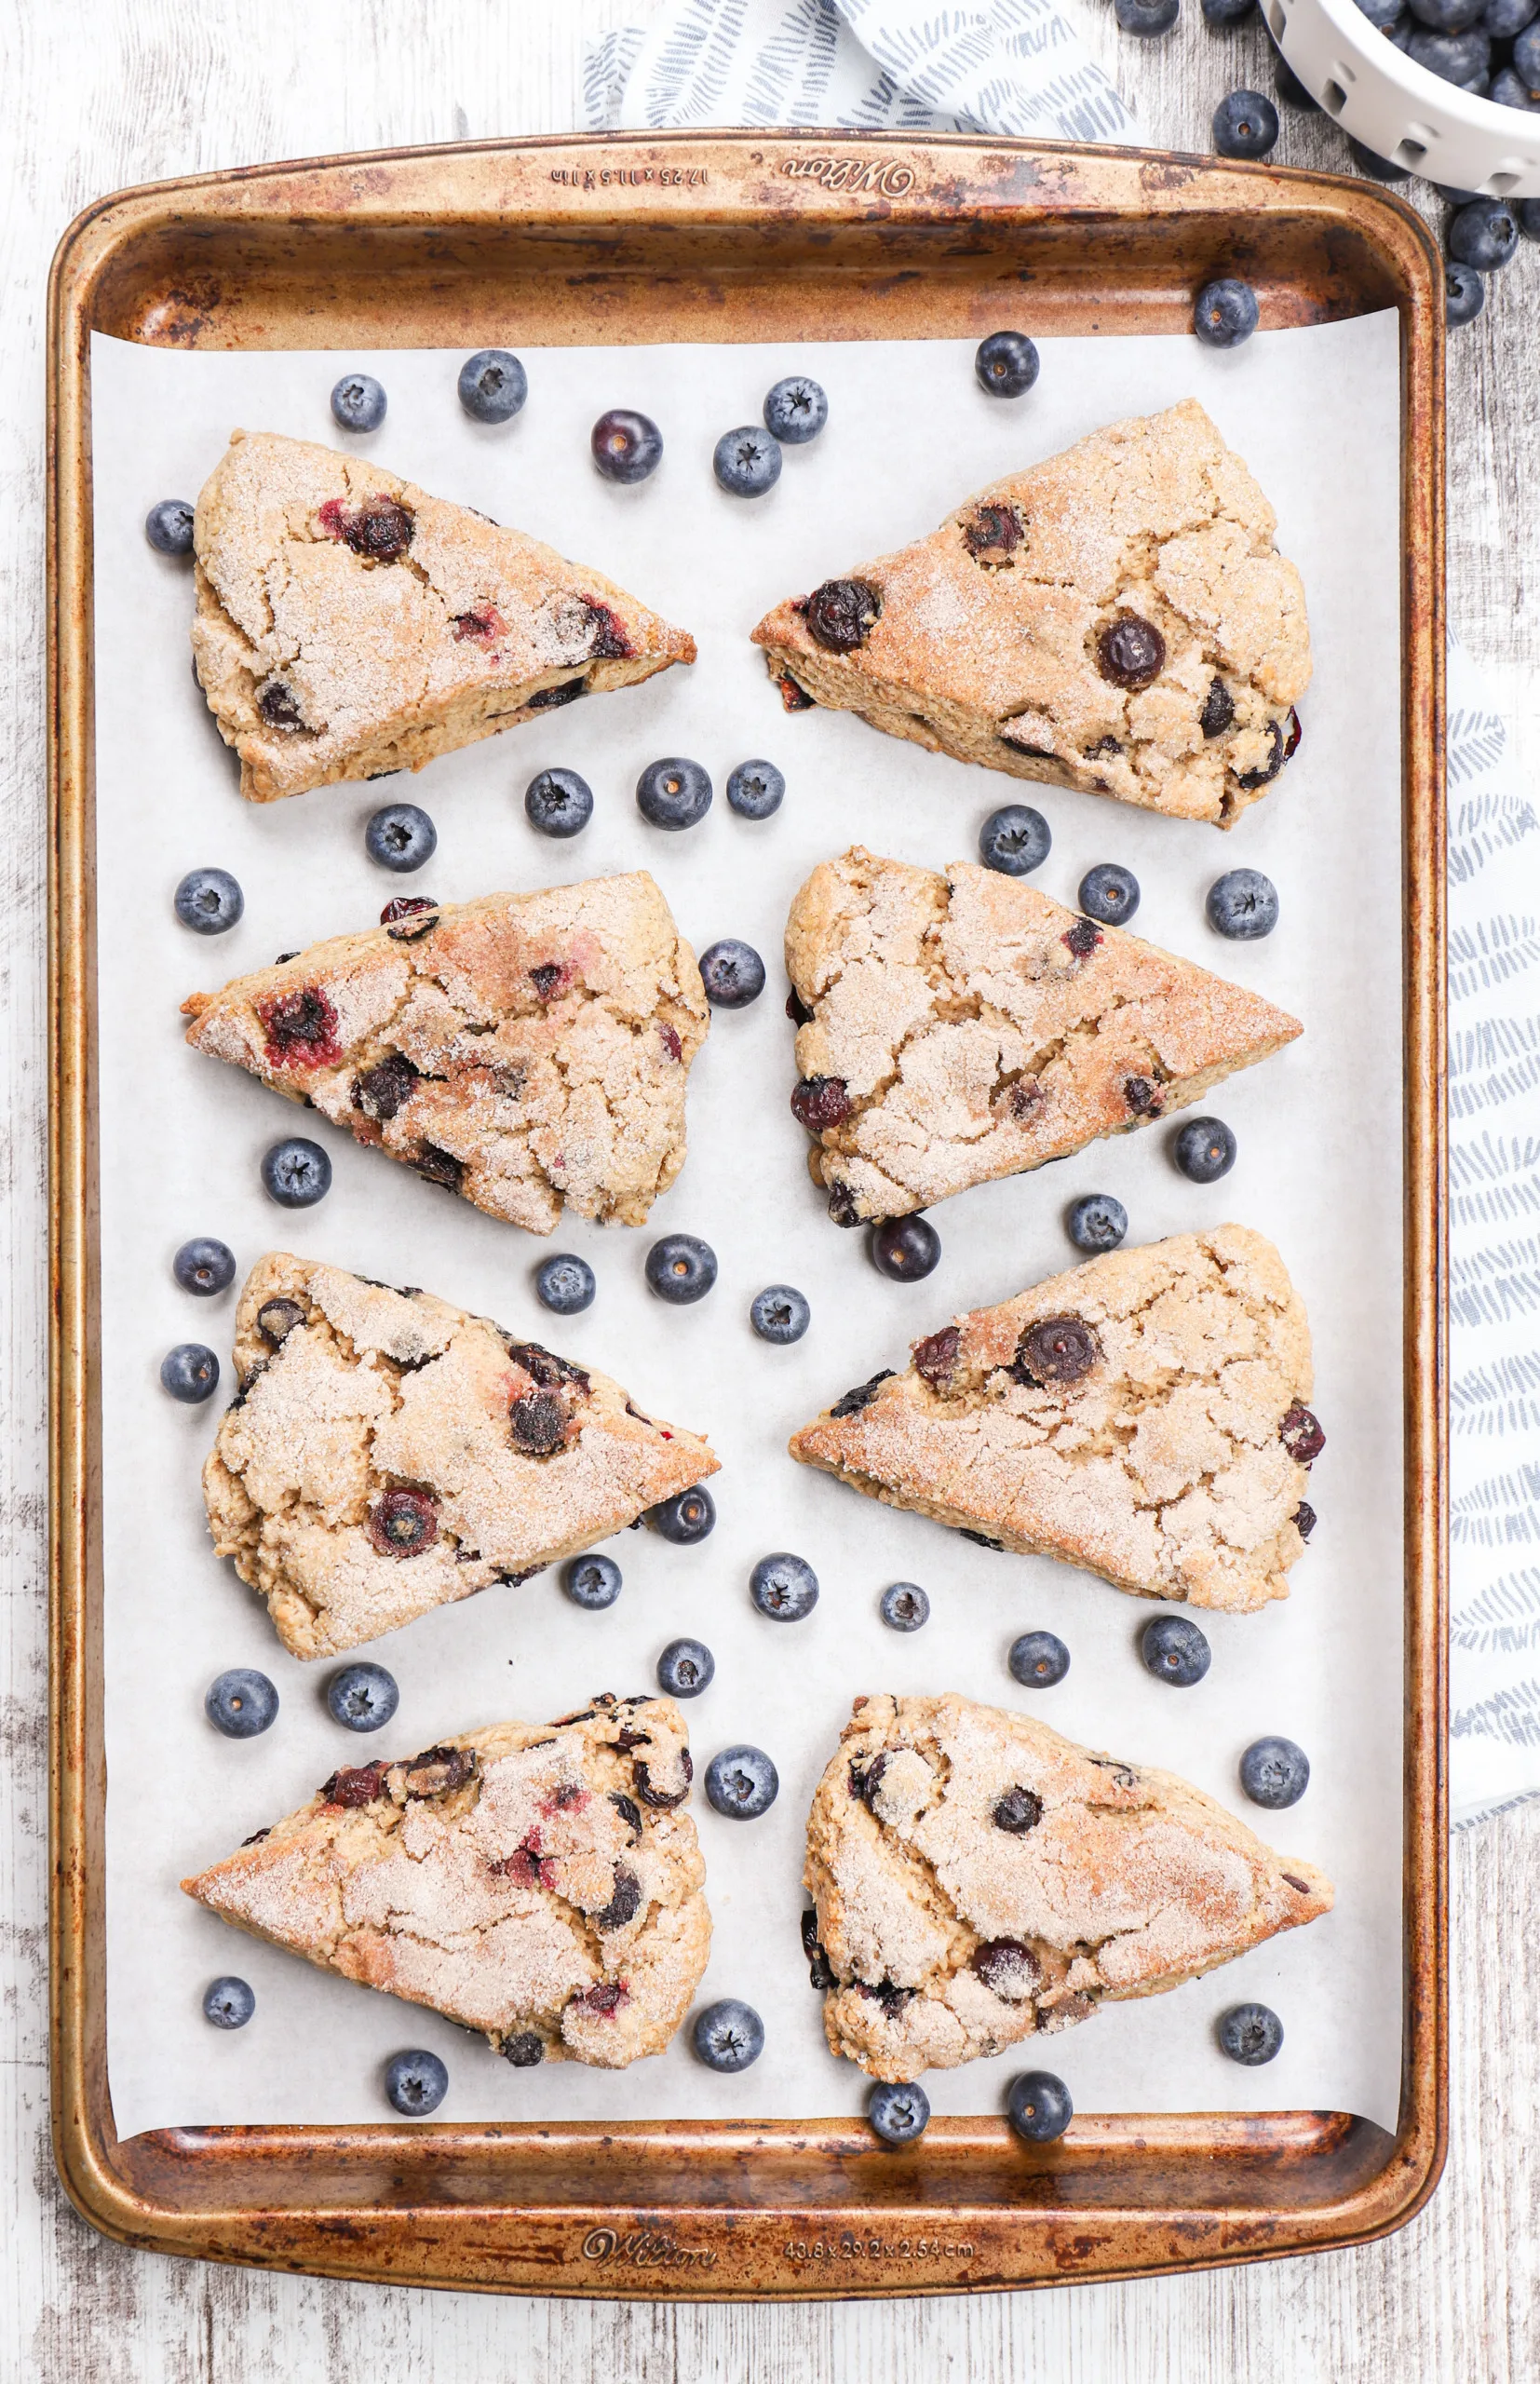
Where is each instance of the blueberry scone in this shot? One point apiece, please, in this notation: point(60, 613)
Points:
point(962, 1027)
point(977, 1879)
point(1142, 1417)
point(526, 1050)
point(349, 625)
point(386, 1453)
point(1117, 618)
point(540, 1883)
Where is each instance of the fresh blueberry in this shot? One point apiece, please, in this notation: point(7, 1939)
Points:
point(1251, 2034)
point(728, 2035)
point(732, 974)
point(900, 2114)
point(673, 793)
point(357, 402)
point(1465, 295)
point(741, 1782)
point(1016, 840)
point(1275, 1772)
point(746, 462)
point(296, 1174)
point(415, 2083)
point(1505, 18)
point(1484, 236)
point(1290, 90)
point(209, 902)
point(688, 1516)
point(1227, 12)
point(1007, 362)
point(1378, 169)
point(564, 1284)
point(1510, 90)
point(1038, 2105)
point(1204, 1149)
point(1097, 1222)
point(755, 790)
point(625, 446)
point(681, 1268)
point(362, 1696)
point(906, 1249)
point(401, 838)
point(168, 526)
point(242, 1703)
point(1529, 218)
point(1224, 313)
point(1246, 124)
point(780, 1314)
point(784, 1586)
point(1146, 18)
point(492, 385)
point(1463, 58)
point(1382, 14)
point(904, 1606)
point(1449, 15)
point(558, 803)
point(796, 411)
point(592, 1582)
point(204, 1267)
point(189, 1372)
point(228, 2004)
point(1175, 1650)
point(1038, 1659)
point(1109, 894)
point(686, 1668)
point(1243, 906)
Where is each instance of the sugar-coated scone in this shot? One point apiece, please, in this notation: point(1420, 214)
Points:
point(530, 1051)
point(1141, 1415)
point(962, 1027)
point(539, 1882)
point(349, 625)
point(385, 1454)
point(977, 1879)
point(1117, 618)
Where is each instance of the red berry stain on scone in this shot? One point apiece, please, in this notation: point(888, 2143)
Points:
point(549, 978)
point(608, 641)
point(1302, 1436)
point(483, 627)
point(300, 1028)
point(403, 1523)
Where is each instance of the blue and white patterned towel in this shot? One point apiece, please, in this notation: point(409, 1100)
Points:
point(1017, 66)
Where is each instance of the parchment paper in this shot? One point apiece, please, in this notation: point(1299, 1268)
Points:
point(1315, 412)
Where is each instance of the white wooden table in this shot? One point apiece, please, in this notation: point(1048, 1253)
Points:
point(95, 94)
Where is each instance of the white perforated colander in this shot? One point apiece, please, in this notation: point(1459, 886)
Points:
point(1398, 109)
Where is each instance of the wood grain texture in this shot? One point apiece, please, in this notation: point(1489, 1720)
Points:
point(92, 98)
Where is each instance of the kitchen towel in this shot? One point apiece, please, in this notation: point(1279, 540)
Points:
point(1015, 66)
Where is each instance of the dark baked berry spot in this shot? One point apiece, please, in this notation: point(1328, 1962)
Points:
point(1143, 1097)
point(403, 1523)
point(543, 1366)
point(1018, 1100)
point(548, 980)
point(1080, 938)
point(1302, 1435)
point(352, 1788)
point(661, 1798)
point(862, 1396)
point(383, 1089)
point(993, 535)
point(278, 705)
point(1018, 1810)
point(842, 1206)
point(1292, 743)
point(606, 1998)
point(1130, 652)
point(380, 529)
point(439, 1167)
point(819, 1973)
point(624, 1903)
point(1305, 1519)
point(935, 1357)
point(797, 1010)
point(627, 1810)
point(1250, 780)
point(1056, 1349)
point(276, 1319)
point(607, 639)
point(409, 906)
point(671, 1042)
point(1008, 1968)
point(1219, 710)
point(438, 1769)
point(483, 627)
point(301, 1029)
point(842, 614)
point(866, 1778)
point(890, 1996)
point(793, 698)
point(820, 1103)
point(525, 2051)
point(982, 1539)
point(549, 698)
point(539, 1423)
point(1103, 745)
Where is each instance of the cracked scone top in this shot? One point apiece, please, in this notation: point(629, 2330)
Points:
point(1117, 618)
point(977, 1879)
point(962, 1027)
point(527, 1050)
point(385, 1454)
point(1141, 1417)
point(348, 624)
point(539, 1883)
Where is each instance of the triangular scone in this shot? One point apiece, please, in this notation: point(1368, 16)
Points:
point(1117, 618)
point(978, 1880)
point(524, 1049)
point(539, 1883)
point(349, 625)
point(1141, 1415)
point(386, 1453)
point(964, 1027)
